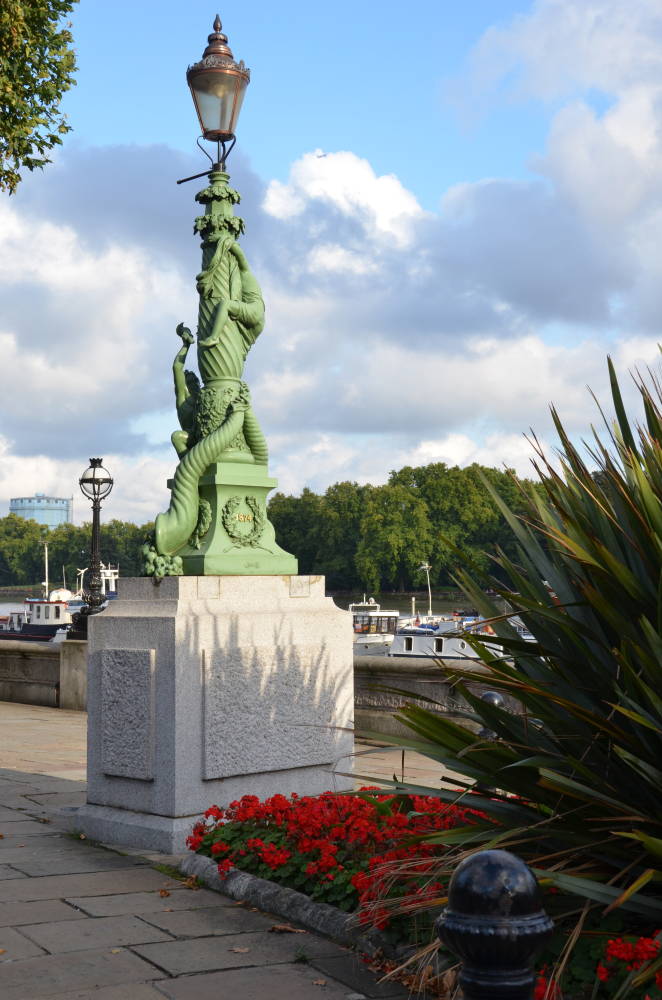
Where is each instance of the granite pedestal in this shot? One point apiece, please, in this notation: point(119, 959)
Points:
point(204, 689)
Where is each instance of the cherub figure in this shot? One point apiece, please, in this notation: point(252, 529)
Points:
point(187, 387)
point(248, 311)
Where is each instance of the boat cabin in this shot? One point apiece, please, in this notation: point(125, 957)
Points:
point(370, 623)
point(441, 639)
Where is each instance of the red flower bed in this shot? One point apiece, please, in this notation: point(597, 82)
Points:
point(339, 849)
point(363, 852)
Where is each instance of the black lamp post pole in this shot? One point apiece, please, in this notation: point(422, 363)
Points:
point(93, 596)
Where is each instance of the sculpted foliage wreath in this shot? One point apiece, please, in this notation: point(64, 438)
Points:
point(229, 523)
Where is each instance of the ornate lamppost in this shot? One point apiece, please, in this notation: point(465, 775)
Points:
point(96, 484)
point(217, 522)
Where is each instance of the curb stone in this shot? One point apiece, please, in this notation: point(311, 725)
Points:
point(272, 898)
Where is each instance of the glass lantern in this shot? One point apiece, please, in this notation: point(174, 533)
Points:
point(218, 85)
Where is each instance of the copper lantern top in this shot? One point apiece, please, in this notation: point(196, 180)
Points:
point(218, 85)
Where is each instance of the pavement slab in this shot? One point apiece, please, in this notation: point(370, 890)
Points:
point(39, 911)
point(6, 872)
point(92, 932)
point(49, 974)
point(235, 950)
point(213, 920)
point(88, 884)
point(72, 863)
point(146, 902)
point(53, 848)
point(134, 991)
point(277, 982)
point(15, 946)
point(81, 922)
point(352, 971)
point(22, 827)
point(9, 815)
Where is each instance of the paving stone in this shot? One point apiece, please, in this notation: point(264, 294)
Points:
point(32, 848)
point(75, 796)
point(349, 969)
point(22, 827)
point(92, 932)
point(75, 863)
point(92, 884)
point(13, 796)
point(213, 920)
point(6, 873)
point(43, 910)
point(277, 982)
point(146, 902)
point(14, 946)
point(31, 841)
point(52, 974)
point(9, 815)
point(131, 992)
point(16, 787)
point(234, 950)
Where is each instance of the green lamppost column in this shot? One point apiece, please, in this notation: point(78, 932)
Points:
point(217, 521)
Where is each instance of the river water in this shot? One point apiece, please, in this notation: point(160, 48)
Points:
point(388, 602)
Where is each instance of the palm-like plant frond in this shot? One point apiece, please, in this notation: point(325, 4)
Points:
point(579, 771)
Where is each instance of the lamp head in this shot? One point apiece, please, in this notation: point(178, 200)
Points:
point(96, 482)
point(218, 85)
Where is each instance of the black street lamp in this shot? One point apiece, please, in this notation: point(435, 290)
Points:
point(95, 483)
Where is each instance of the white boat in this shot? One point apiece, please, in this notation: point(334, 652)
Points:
point(371, 624)
point(41, 620)
point(47, 619)
point(442, 638)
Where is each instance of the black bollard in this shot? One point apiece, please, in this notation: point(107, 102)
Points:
point(495, 923)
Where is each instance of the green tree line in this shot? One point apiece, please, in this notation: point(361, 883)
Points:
point(22, 551)
point(375, 538)
point(370, 538)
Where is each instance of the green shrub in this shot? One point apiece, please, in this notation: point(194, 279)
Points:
point(579, 771)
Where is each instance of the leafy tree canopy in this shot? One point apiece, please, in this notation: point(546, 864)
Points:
point(376, 537)
point(36, 68)
point(22, 552)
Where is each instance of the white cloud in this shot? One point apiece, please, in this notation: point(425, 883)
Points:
point(562, 44)
point(350, 185)
point(138, 494)
point(496, 450)
point(80, 330)
point(329, 257)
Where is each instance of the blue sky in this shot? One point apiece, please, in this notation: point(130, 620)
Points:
point(370, 77)
point(485, 225)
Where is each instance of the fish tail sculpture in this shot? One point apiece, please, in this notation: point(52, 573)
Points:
point(255, 439)
point(177, 524)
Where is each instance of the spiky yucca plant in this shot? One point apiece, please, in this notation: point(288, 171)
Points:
point(579, 772)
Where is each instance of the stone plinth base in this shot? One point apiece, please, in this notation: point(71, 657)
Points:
point(204, 689)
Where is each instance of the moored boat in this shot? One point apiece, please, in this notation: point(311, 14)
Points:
point(40, 620)
point(447, 638)
point(371, 624)
point(49, 618)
